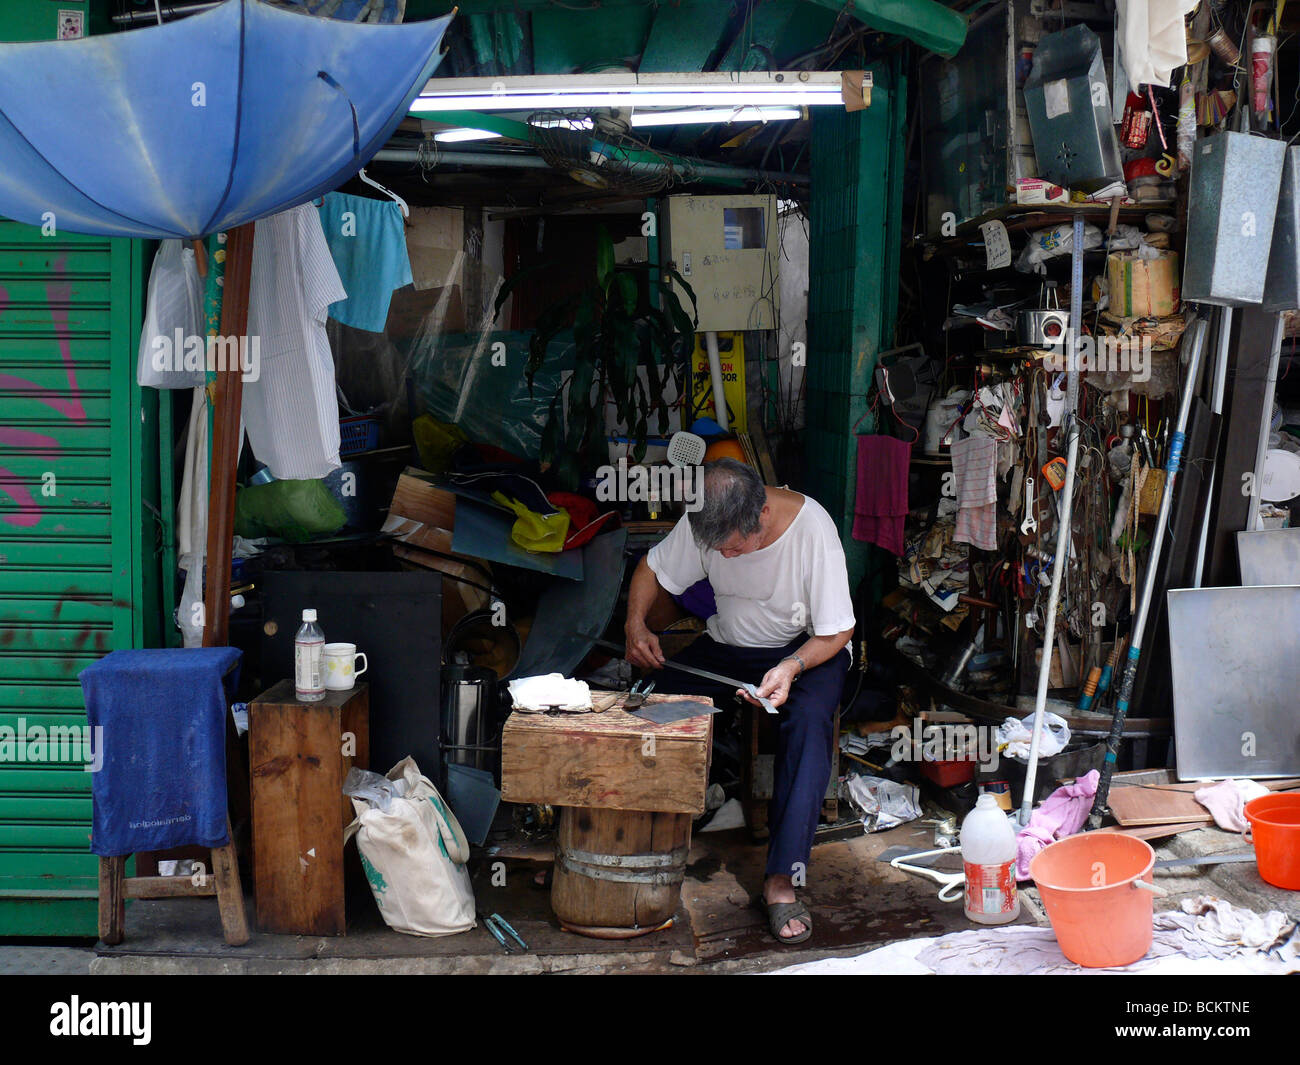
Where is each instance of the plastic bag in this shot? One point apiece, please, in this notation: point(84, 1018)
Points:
point(1014, 736)
point(413, 853)
point(174, 312)
point(882, 803)
point(292, 510)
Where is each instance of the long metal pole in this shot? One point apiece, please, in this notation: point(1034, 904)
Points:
point(1125, 691)
point(1063, 532)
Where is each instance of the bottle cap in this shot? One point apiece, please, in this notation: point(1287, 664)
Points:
point(309, 615)
point(986, 802)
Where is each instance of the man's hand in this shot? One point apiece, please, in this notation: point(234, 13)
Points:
point(643, 647)
point(776, 684)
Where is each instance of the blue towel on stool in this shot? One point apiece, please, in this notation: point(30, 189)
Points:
point(160, 722)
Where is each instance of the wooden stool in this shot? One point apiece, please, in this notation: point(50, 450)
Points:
point(115, 887)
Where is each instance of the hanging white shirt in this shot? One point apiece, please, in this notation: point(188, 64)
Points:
point(798, 584)
point(290, 412)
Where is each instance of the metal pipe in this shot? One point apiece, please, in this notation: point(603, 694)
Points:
point(1265, 425)
point(715, 375)
point(1063, 543)
point(534, 162)
point(130, 18)
point(1216, 408)
point(1125, 692)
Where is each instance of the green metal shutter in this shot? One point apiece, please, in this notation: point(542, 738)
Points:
point(854, 249)
point(78, 566)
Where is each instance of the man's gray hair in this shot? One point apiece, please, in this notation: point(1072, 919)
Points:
point(734, 498)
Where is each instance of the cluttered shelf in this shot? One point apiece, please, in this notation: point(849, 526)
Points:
point(1029, 216)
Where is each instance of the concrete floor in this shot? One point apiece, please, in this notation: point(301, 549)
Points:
point(857, 903)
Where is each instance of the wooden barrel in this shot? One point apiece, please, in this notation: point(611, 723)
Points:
point(618, 873)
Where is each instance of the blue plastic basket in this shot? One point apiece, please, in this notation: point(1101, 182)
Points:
point(358, 434)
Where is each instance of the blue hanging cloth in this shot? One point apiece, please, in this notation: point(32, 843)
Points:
point(201, 124)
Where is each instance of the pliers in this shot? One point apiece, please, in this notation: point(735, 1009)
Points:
point(496, 924)
point(637, 696)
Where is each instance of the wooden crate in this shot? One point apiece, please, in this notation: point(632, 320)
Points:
point(610, 760)
point(298, 755)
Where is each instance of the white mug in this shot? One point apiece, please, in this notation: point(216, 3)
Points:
point(339, 664)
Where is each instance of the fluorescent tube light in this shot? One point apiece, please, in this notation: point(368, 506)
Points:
point(453, 136)
point(701, 115)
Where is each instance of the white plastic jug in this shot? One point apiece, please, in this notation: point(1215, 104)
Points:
point(988, 852)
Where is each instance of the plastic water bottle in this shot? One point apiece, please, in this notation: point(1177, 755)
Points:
point(988, 851)
point(308, 648)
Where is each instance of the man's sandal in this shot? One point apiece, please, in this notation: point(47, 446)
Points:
point(780, 914)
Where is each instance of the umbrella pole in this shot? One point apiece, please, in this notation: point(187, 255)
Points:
point(227, 394)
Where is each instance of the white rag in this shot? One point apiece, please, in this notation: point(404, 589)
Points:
point(1152, 39)
point(550, 691)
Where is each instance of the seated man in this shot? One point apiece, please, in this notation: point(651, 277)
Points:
point(784, 619)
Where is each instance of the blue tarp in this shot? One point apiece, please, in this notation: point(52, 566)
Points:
point(201, 124)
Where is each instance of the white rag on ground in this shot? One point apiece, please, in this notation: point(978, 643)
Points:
point(1209, 937)
point(1227, 800)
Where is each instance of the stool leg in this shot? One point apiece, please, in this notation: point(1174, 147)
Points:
point(230, 893)
point(112, 900)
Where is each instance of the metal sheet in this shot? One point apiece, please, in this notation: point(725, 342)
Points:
point(1269, 556)
point(572, 615)
point(1235, 676)
point(1282, 285)
point(1231, 208)
point(667, 713)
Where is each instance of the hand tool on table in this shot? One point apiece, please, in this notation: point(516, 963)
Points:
point(731, 682)
point(637, 696)
point(500, 928)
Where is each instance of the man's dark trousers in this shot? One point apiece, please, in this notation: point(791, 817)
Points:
point(805, 735)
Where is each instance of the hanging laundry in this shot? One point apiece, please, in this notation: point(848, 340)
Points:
point(290, 411)
point(974, 467)
point(367, 239)
point(880, 506)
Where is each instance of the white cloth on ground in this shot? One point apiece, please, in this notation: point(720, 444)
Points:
point(1227, 800)
point(290, 410)
point(1187, 943)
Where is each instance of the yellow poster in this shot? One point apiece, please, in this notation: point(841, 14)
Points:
point(731, 353)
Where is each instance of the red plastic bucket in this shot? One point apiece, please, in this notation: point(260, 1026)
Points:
point(1087, 886)
point(1275, 829)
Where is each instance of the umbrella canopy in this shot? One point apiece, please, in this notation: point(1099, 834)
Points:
point(202, 124)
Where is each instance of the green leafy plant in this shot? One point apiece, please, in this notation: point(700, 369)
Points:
point(616, 329)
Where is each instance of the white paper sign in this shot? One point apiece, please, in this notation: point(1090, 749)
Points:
point(997, 246)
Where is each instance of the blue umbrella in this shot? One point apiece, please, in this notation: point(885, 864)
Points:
point(203, 124)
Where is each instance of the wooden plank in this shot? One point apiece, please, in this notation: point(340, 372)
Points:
point(299, 754)
point(1155, 806)
point(1154, 831)
point(609, 761)
point(168, 887)
point(112, 902)
point(423, 502)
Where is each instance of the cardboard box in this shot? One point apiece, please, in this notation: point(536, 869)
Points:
point(1143, 288)
point(1037, 191)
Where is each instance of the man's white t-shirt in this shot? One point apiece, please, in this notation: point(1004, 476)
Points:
point(799, 584)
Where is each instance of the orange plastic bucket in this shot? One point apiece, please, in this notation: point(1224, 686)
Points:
point(1275, 829)
point(1087, 886)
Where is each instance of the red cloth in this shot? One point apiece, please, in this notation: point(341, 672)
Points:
point(583, 521)
point(880, 505)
